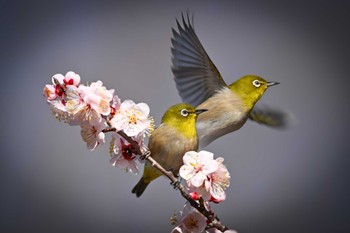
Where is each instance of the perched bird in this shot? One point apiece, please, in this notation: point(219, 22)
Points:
point(170, 141)
point(199, 83)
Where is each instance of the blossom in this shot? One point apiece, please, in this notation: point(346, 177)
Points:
point(83, 111)
point(123, 155)
point(70, 78)
point(219, 181)
point(115, 105)
point(88, 103)
point(205, 177)
point(190, 221)
point(59, 110)
point(54, 91)
point(55, 95)
point(97, 97)
point(93, 135)
point(197, 166)
point(49, 92)
point(59, 83)
point(132, 118)
point(100, 90)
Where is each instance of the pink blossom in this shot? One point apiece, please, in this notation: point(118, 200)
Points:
point(132, 118)
point(202, 191)
point(71, 78)
point(197, 166)
point(55, 95)
point(58, 109)
point(190, 221)
point(205, 177)
point(219, 181)
point(98, 89)
point(54, 91)
point(82, 111)
point(93, 135)
point(49, 92)
point(122, 155)
point(59, 78)
point(97, 97)
point(115, 105)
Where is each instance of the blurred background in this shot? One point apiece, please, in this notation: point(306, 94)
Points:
point(293, 180)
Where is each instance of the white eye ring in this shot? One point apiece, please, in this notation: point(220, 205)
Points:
point(184, 112)
point(257, 83)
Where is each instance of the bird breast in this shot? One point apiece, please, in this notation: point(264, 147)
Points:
point(226, 113)
point(168, 146)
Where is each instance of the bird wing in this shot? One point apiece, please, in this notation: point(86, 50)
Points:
point(196, 76)
point(272, 117)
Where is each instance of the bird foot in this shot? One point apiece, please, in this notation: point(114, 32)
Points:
point(145, 155)
point(176, 183)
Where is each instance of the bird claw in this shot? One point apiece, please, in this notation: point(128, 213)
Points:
point(177, 183)
point(145, 155)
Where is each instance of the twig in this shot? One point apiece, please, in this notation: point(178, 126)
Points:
point(214, 220)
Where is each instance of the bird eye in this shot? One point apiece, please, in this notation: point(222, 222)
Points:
point(184, 112)
point(256, 83)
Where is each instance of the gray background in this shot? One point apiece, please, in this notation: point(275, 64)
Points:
point(282, 181)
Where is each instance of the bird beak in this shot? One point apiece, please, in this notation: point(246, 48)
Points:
point(269, 84)
point(199, 111)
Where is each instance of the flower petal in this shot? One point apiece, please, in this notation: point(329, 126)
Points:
point(210, 167)
point(132, 130)
point(49, 92)
point(59, 78)
point(177, 230)
point(143, 108)
point(190, 157)
point(104, 108)
point(198, 179)
point(101, 138)
point(127, 104)
point(133, 167)
point(70, 75)
point(187, 172)
point(205, 156)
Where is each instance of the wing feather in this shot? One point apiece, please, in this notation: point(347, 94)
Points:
point(196, 76)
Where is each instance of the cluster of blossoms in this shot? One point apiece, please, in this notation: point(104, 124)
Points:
point(95, 108)
point(98, 110)
point(206, 178)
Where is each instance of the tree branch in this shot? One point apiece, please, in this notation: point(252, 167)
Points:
point(213, 219)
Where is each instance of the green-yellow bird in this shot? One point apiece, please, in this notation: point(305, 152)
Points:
point(170, 141)
point(199, 83)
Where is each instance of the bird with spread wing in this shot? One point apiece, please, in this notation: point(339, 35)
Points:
point(200, 84)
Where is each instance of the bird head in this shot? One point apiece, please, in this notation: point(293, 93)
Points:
point(250, 88)
point(182, 116)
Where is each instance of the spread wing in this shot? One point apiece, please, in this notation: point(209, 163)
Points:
point(195, 74)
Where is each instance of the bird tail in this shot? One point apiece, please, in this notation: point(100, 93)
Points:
point(140, 187)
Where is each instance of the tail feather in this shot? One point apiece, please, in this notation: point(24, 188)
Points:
point(140, 187)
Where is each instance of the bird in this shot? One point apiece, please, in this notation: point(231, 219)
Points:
point(200, 84)
point(169, 142)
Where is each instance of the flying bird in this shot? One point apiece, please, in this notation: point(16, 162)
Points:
point(200, 84)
